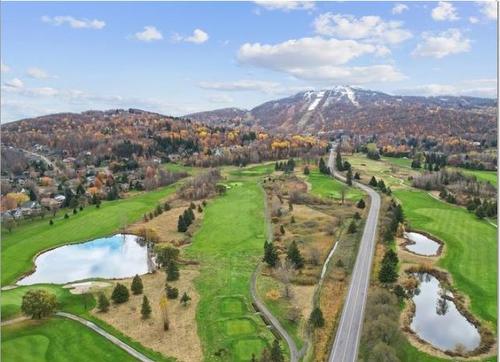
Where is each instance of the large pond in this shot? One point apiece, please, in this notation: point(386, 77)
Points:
point(421, 244)
point(118, 256)
point(437, 320)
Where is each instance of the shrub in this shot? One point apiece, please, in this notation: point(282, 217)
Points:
point(102, 303)
point(66, 216)
point(51, 222)
point(361, 204)
point(172, 293)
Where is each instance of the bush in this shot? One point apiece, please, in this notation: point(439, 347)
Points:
point(361, 204)
point(172, 293)
point(66, 216)
point(352, 227)
point(51, 222)
point(120, 294)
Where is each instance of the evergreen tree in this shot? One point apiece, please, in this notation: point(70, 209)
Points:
point(172, 293)
point(270, 254)
point(373, 182)
point(102, 303)
point(136, 286)
point(357, 176)
point(172, 271)
point(351, 229)
point(166, 206)
point(145, 308)
point(316, 318)
point(120, 294)
point(381, 185)
point(348, 177)
point(294, 256)
point(276, 354)
point(185, 299)
point(51, 222)
point(387, 273)
point(181, 224)
point(361, 204)
point(306, 170)
point(282, 229)
point(322, 167)
point(200, 210)
point(339, 164)
point(357, 216)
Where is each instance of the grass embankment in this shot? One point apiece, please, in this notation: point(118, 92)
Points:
point(56, 340)
point(228, 246)
point(326, 186)
point(470, 247)
point(21, 245)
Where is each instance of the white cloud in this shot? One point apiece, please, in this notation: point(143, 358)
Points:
point(243, 85)
point(442, 44)
point(399, 8)
point(489, 8)
point(74, 23)
point(38, 73)
point(473, 20)
point(220, 98)
point(444, 11)
point(14, 84)
point(369, 28)
point(4, 68)
point(473, 88)
point(149, 34)
point(285, 5)
point(198, 37)
point(319, 59)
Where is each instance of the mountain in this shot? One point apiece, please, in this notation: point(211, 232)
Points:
point(363, 111)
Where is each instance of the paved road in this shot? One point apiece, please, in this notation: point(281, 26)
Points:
point(345, 346)
point(106, 335)
point(295, 354)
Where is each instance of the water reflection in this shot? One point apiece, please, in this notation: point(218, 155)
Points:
point(437, 319)
point(421, 244)
point(118, 256)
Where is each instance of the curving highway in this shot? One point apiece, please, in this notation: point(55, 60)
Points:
point(346, 343)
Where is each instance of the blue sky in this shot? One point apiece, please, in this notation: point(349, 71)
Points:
point(177, 58)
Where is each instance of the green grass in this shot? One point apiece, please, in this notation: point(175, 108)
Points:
point(229, 246)
point(21, 245)
point(73, 303)
point(258, 170)
point(402, 162)
point(326, 186)
point(56, 340)
point(487, 176)
point(470, 247)
point(175, 167)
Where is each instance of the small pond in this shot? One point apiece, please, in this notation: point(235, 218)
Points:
point(421, 244)
point(437, 320)
point(117, 256)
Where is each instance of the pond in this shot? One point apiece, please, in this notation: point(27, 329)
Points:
point(421, 244)
point(437, 320)
point(117, 256)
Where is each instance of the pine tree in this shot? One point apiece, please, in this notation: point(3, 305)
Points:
point(381, 185)
point(172, 271)
point(145, 308)
point(51, 222)
point(166, 206)
point(357, 176)
point(136, 286)
point(185, 299)
point(181, 224)
point(120, 294)
point(294, 256)
point(200, 210)
point(387, 273)
point(270, 254)
point(102, 303)
point(349, 177)
point(316, 318)
point(351, 229)
point(306, 170)
point(276, 354)
point(339, 164)
point(282, 229)
point(361, 204)
point(373, 182)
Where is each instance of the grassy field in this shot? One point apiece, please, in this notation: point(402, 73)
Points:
point(57, 340)
point(73, 303)
point(326, 186)
point(257, 170)
point(401, 162)
point(487, 176)
point(23, 243)
point(229, 245)
point(470, 247)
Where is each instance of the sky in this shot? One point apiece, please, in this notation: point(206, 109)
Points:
point(182, 57)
